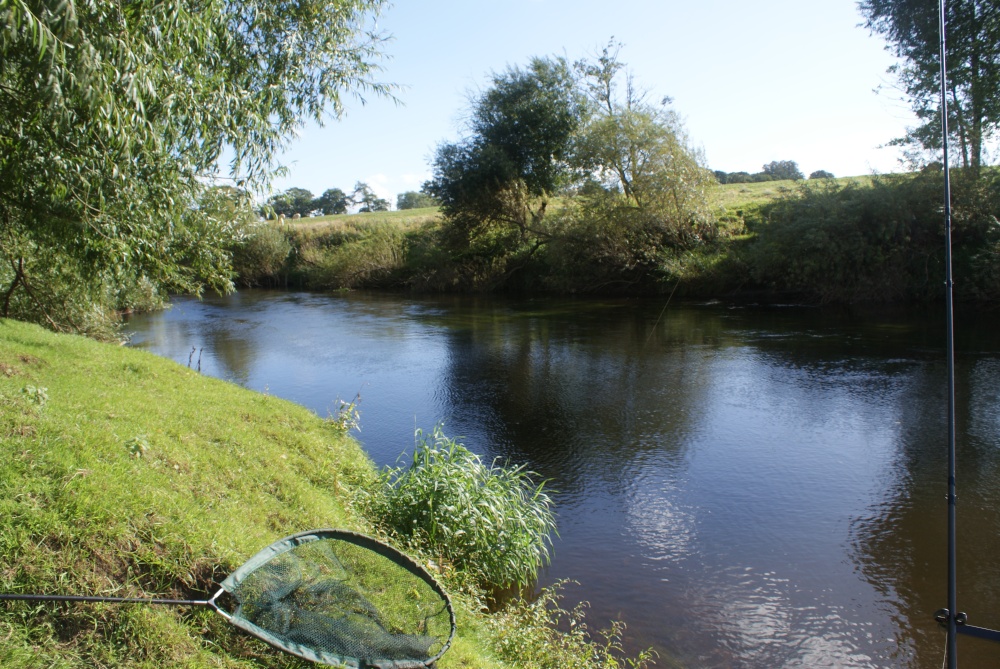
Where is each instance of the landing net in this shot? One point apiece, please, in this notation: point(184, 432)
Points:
point(341, 598)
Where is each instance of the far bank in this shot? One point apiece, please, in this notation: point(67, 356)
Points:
point(866, 240)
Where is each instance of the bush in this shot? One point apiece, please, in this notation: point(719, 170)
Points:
point(64, 294)
point(371, 257)
point(260, 255)
point(541, 634)
point(490, 521)
point(880, 243)
point(842, 243)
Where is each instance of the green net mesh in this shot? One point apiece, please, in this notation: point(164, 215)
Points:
point(343, 599)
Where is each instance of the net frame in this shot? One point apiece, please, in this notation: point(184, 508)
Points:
point(232, 583)
point(282, 546)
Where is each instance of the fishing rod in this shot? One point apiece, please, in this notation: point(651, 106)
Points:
point(954, 621)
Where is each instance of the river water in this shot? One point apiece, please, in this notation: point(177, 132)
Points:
point(745, 487)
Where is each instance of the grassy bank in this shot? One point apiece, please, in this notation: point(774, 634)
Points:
point(128, 475)
point(864, 239)
point(410, 250)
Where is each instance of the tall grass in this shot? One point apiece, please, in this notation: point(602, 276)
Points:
point(488, 520)
point(880, 241)
point(541, 634)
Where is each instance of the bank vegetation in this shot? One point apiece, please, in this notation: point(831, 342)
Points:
point(156, 481)
point(875, 239)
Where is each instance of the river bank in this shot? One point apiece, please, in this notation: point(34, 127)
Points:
point(863, 240)
point(130, 475)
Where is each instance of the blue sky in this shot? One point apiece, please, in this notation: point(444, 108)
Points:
point(753, 81)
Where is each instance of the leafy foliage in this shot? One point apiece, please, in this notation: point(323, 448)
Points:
point(629, 186)
point(415, 200)
point(332, 201)
point(495, 185)
point(260, 254)
point(910, 28)
point(821, 174)
point(883, 243)
point(368, 255)
point(651, 182)
point(292, 202)
point(489, 520)
point(540, 634)
point(776, 170)
point(363, 195)
point(113, 113)
point(783, 169)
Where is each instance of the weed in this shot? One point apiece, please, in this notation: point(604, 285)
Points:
point(541, 634)
point(348, 416)
point(137, 446)
point(36, 395)
point(489, 520)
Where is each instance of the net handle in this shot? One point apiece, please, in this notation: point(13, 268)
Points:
point(120, 600)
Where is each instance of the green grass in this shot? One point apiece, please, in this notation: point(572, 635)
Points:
point(491, 521)
point(125, 474)
point(128, 475)
point(737, 196)
point(407, 218)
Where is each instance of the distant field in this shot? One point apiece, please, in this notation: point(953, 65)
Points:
point(407, 218)
point(734, 196)
point(722, 196)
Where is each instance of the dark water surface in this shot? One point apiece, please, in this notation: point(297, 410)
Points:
point(744, 487)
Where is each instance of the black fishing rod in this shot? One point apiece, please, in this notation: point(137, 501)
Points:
point(949, 617)
point(949, 614)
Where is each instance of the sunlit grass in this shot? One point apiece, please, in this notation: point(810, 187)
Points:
point(128, 475)
point(125, 474)
point(407, 219)
point(733, 196)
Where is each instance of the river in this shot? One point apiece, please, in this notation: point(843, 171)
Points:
point(744, 486)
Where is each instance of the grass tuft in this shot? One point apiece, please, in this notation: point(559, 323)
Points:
point(490, 521)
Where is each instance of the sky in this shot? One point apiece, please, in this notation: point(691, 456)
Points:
point(753, 82)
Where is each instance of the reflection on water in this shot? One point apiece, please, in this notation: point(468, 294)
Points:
point(744, 487)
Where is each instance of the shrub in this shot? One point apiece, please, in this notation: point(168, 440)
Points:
point(260, 255)
point(371, 258)
point(541, 634)
point(488, 520)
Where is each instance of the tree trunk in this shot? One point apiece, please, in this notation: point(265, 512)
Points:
point(18, 268)
point(963, 136)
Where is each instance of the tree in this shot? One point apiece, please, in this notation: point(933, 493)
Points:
point(910, 28)
point(291, 202)
point(739, 178)
point(414, 200)
point(499, 179)
point(366, 197)
point(639, 152)
point(332, 201)
point(113, 116)
point(821, 174)
point(779, 170)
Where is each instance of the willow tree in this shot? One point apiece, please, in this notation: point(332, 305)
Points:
point(645, 179)
point(113, 117)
